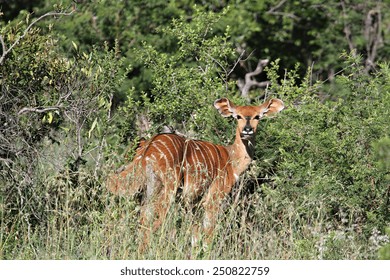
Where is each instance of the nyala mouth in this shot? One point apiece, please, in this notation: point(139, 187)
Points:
point(246, 135)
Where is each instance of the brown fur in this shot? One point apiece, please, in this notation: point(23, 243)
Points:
point(167, 161)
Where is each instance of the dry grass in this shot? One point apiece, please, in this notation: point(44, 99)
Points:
point(263, 224)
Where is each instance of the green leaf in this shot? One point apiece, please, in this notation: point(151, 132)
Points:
point(50, 117)
point(74, 45)
point(92, 128)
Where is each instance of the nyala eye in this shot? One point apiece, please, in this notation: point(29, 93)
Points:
point(238, 117)
point(257, 117)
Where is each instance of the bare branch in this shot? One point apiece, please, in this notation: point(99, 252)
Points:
point(347, 30)
point(290, 15)
point(144, 124)
point(4, 48)
point(38, 109)
point(235, 64)
point(273, 11)
point(227, 74)
point(7, 50)
point(250, 81)
point(372, 34)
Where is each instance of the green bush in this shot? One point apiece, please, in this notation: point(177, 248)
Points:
point(329, 158)
point(54, 113)
point(318, 189)
point(187, 80)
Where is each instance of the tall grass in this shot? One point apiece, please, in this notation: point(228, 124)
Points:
point(258, 224)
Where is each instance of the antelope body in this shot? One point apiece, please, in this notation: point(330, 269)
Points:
point(202, 169)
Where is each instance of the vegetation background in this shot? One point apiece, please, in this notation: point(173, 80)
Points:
point(81, 81)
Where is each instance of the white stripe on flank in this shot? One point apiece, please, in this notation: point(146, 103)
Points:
point(174, 144)
point(201, 152)
point(161, 154)
point(167, 148)
point(217, 161)
point(210, 165)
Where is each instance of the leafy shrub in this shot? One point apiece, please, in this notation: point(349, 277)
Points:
point(330, 156)
point(319, 187)
point(187, 80)
point(55, 112)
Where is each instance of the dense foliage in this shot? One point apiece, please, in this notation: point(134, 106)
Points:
point(84, 83)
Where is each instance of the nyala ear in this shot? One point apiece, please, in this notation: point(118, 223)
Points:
point(271, 107)
point(225, 107)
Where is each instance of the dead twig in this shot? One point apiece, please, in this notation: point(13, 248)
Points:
point(347, 30)
point(273, 11)
point(37, 110)
point(373, 36)
point(250, 81)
